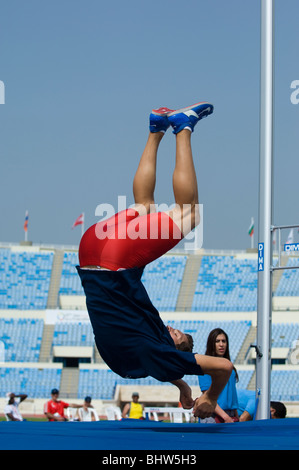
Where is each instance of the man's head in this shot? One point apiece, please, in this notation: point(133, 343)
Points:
point(135, 396)
point(11, 398)
point(182, 341)
point(278, 410)
point(87, 400)
point(54, 394)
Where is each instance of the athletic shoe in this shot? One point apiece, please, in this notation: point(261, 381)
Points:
point(158, 120)
point(187, 118)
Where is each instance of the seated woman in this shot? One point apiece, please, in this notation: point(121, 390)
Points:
point(226, 410)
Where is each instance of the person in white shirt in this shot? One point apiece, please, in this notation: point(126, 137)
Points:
point(11, 410)
point(87, 412)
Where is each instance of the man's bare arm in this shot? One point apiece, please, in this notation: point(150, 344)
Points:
point(185, 393)
point(220, 370)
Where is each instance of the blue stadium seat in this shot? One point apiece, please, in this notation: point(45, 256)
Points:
point(24, 279)
point(35, 382)
point(289, 283)
point(244, 378)
point(284, 334)
point(226, 283)
point(73, 334)
point(70, 283)
point(162, 279)
point(285, 385)
point(22, 338)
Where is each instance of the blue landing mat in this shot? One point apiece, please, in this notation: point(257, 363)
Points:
point(150, 435)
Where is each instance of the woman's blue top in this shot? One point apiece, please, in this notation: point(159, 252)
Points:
point(228, 398)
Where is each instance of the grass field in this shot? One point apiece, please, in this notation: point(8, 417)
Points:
point(28, 418)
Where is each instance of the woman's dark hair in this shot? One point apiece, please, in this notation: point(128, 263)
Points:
point(211, 345)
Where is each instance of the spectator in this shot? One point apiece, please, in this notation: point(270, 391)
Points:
point(87, 412)
point(134, 409)
point(246, 402)
point(11, 410)
point(54, 408)
point(226, 410)
point(277, 410)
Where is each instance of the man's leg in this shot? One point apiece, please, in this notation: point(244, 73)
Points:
point(186, 213)
point(183, 121)
point(145, 177)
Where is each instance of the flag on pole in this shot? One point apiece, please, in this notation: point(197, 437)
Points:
point(251, 231)
point(251, 228)
point(290, 236)
point(26, 225)
point(79, 220)
point(26, 221)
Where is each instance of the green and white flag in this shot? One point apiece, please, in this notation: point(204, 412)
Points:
point(251, 228)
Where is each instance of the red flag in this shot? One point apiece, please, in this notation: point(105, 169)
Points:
point(79, 221)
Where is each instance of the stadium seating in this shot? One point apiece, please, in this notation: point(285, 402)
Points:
point(101, 383)
point(24, 279)
point(289, 282)
point(80, 334)
point(285, 385)
point(22, 338)
point(244, 377)
point(97, 383)
point(73, 334)
point(70, 283)
point(36, 383)
point(162, 279)
point(226, 283)
point(284, 334)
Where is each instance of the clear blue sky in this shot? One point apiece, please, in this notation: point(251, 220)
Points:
point(80, 80)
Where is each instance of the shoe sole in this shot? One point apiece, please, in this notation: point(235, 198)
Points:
point(162, 111)
point(189, 108)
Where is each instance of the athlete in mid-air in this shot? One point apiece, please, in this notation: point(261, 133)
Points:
point(129, 332)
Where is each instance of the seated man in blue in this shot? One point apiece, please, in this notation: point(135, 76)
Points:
point(129, 333)
point(246, 404)
point(226, 410)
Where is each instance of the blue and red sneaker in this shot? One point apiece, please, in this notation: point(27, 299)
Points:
point(187, 118)
point(158, 120)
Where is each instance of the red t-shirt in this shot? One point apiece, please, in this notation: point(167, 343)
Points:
point(55, 407)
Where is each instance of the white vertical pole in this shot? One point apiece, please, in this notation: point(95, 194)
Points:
point(264, 300)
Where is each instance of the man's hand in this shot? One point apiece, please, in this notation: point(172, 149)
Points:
point(204, 406)
point(59, 418)
point(186, 399)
